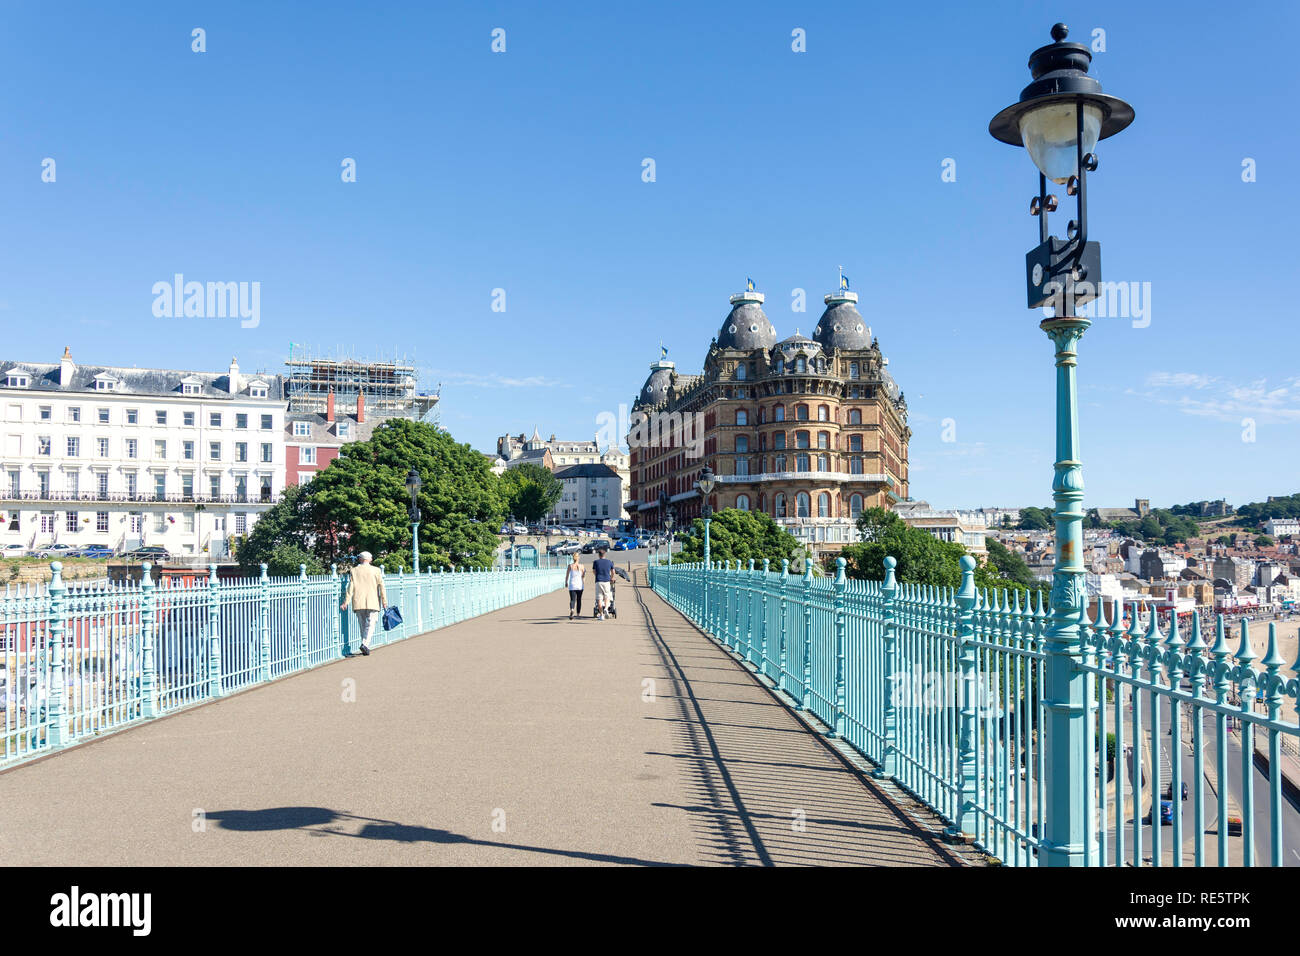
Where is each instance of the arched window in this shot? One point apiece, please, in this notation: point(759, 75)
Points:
point(762, 415)
point(742, 417)
point(780, 366)
point(800, 365)
point(742, 444)
point(855, 416)
point(740, 373)
point(801, 413)
point(778, 414)
point(855, 506)
point(801, 439)
point(778, 441)
point(778, 505)
point(823, 413)
point(855, 443)
point(824, 505)
point(801, 462)
point(823, 462)
point(821, 364)
point(803, 503)
point(742, 502)
point(824, 440)
point(853, 370)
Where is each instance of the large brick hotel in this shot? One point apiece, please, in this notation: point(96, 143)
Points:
point(810, 431)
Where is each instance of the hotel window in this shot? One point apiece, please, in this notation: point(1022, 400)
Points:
point(803, 503)
point(855, 416)
point(47, 522)
point(778, 413)
point(188, 389)
point(823, 413)
point(241, 487)
point(101, 447)
point(137, 522)
point(780, 366)
point(241, 420)
point(307, 455)
point(241, 451)
point(801, 413)
point(131, 484)
point(762, 415)
point(160, 487)
point(267, 422)
point(801, 440)
point(742, 502)
point(214, 419)
point(73, 481)
point(823, 439)
point(214, 451)
point(742, 466)
point(70, 521)
point(345, 429)
point(131, 448)
point(742, 417)
point(241, 523)
point(74, 446)
point(800, 365)
point(187, 450)
point(801, 462)
point(258, 391)
point(740, 373)
point(780, 463)
point(778, 441)
point(301, 429)
point(16, 381)
point(103, 416)
point(824, 505)
point(187, 418)
point(46, 413)
point(74, 414)
point(778, 504)
point(42, 444)
point(266, 452)
point(214, 486)
point(855, 443)
point(853, 370)
point(855, 506)
point(132, 416)
point(43, 481)
point(823, 462)
point(855, 465)
point(159, 448)
point(187, 485)
point(189, 522)
point(160, 522)
point(742, 444)
point(101, 481)
point(101, 522)
point(160, 417)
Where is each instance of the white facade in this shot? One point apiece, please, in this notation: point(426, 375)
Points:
point(592, 496)
point(125, 457)
point(1280, 527)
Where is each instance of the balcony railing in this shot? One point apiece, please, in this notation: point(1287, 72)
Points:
point(875, 477)
point(139, 497)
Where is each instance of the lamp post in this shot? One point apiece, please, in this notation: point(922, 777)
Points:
point(413, 485)
point(669, 520)
point(705, 487)
point(1059, 118)
point(663, 511)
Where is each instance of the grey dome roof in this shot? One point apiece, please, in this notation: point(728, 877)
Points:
point(655, 389)
point(841, 325)
point(795, 339)
point(746, 326)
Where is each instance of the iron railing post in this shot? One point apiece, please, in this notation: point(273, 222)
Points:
point(302, 616)
point(336, 614)
point(889, 688)
point(56, 733)
point(967, 782)
point(148, 659)
point(762, 618)
point(782, 661)
point(214, 633)
point(805, 701)
point(264, 625)
point(841, 623)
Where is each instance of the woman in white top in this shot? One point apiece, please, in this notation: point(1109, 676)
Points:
point(573, 581)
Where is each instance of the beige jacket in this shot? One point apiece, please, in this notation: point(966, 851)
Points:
point(366, 589)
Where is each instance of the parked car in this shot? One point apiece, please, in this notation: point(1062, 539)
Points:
point(96, 551)
point(520, 528)
point(56, 551)
point(624, 544)
point(151, 553)
point(13, 551)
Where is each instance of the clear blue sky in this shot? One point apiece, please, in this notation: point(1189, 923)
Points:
point(522, 171)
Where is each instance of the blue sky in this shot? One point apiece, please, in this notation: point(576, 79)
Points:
point(522, 171)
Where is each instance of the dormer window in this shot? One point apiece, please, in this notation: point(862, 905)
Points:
point(345, 429)
point(105, 382)
point(257, 389)
point(17, 380)
point(301, 429)
point(189, 389)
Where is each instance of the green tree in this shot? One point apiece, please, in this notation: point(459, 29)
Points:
point(1008, 564)
point(1035, 519)
point(922, 558)
point(739, 536)
point(1264, 541)
point(280, 537)
point(530, 491)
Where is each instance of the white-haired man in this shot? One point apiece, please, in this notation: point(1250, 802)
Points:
point(367, 597)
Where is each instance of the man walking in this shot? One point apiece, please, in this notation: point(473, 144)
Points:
point(367, 597)
point(603, 569)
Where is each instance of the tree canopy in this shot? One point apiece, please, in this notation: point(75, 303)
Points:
point(736, 535)
point(530, 491)
point(360, 503)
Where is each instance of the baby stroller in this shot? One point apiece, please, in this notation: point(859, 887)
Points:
point(612, 610)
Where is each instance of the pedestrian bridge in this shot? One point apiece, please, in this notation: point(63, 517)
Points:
point(491, 730)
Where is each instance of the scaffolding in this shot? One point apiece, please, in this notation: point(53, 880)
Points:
point(389, 387)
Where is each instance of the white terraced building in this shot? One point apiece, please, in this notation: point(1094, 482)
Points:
point(129, 457)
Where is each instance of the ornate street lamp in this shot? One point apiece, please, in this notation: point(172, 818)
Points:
point(670, 519)
point(413, 485)
point(1059, 119)
point(705, 487)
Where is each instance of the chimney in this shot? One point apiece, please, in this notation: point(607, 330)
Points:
point(361, 407)
point(66, 367)
point(329, 406)
point(235, 384)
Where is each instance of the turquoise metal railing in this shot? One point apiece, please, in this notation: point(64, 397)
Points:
point(129, 652)
point(943, 691)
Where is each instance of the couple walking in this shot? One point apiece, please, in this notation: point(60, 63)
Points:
point(603, 569)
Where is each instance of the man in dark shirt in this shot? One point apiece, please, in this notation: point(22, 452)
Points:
point(604, 571)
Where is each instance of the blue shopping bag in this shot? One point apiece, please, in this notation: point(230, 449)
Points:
point(392, 618)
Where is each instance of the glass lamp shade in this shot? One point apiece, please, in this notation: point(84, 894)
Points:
point(706, 482)
point(1050, 134)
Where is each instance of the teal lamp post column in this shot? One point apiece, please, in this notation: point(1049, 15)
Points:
point(669, 520)
point(413, 485)
point(1059, 118)
point(705, 487)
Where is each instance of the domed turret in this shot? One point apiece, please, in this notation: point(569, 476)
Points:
point(746, 326)
point(841, 325)
point(655, 389)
